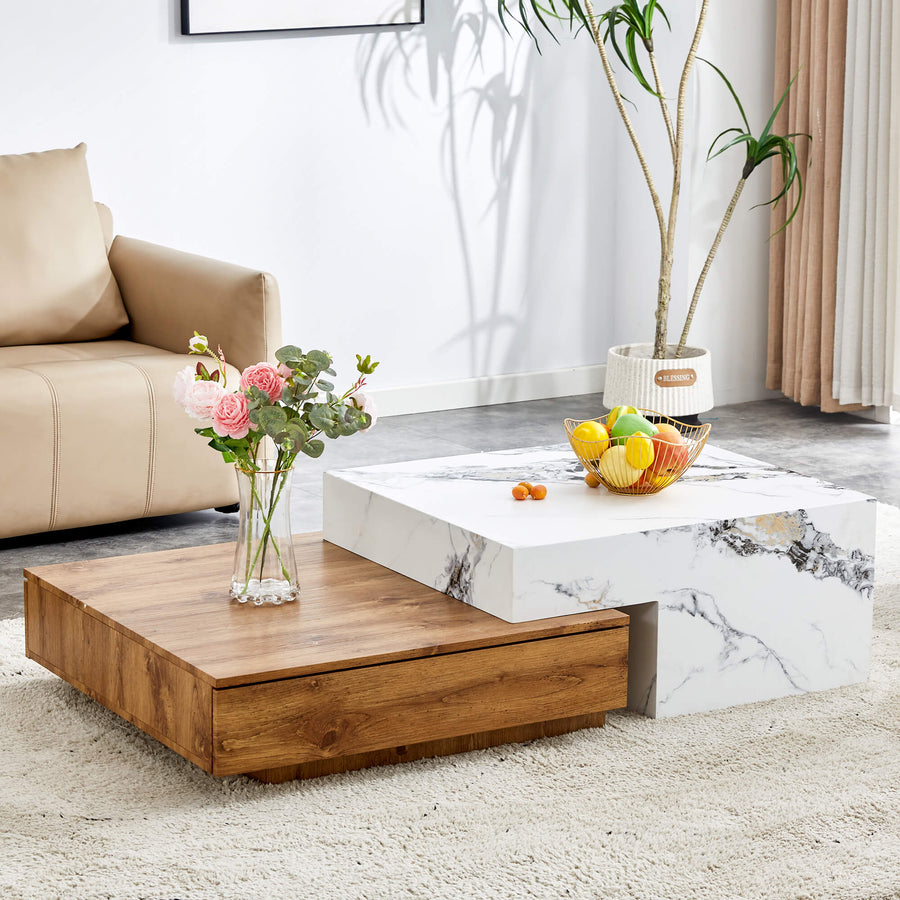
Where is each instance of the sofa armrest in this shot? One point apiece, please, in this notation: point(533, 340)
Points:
point(170, 294)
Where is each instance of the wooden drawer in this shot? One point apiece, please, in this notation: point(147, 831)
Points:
point(355, 711)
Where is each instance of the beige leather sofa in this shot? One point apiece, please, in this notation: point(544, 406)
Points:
point(92, 333)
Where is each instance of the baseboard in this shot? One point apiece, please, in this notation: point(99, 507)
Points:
point(490, 390)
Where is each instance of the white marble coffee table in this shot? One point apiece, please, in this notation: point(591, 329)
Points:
point(744, 581)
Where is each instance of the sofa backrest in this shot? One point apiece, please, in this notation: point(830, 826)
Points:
point(56, 285)
point(106, 224)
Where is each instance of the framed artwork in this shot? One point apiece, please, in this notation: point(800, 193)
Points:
point(224, 16)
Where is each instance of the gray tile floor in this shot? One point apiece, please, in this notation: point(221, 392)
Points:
point(845, 449)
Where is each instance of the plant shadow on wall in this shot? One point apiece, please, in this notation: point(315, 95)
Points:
point(483, 82)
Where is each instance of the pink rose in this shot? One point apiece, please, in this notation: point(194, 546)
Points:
point(265, 377)
point(284, 370)
point(231, 417)
point(201, 397)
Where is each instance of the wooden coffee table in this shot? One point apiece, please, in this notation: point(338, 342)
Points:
point(369, 667)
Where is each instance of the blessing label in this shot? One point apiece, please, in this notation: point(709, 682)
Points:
point(675, 377)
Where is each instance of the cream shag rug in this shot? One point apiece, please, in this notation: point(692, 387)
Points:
point(794, 798)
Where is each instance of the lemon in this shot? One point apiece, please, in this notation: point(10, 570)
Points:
point(639, 450)
point(617, 411)
point(590, 431)
point(590, 439)
point(615, 468)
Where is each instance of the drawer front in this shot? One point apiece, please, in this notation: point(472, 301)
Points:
point(359, 710)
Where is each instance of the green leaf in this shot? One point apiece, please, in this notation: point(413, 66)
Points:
point(297, 431)
point(323, 385)
point(357, 418)
point(256, 398)
point(731, 89)
point(289, 355)
point(365, 366)
point(319, 358)
point(272, 420)
point(313, 448)
point(767, 146)
point(321, 416)
point(347, 428)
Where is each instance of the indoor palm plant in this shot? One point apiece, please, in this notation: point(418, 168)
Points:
point(627, 31)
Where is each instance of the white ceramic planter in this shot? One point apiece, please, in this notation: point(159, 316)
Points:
point(673, 387)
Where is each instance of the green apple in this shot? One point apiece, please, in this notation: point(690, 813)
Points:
point(630, 423)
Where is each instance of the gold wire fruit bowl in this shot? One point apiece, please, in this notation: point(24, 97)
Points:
point(637, 463)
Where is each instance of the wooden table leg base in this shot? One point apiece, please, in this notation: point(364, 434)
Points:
point(427, 749)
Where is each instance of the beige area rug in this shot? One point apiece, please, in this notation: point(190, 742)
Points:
point(795, 798)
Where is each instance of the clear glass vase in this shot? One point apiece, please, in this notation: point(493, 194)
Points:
point(265, 570)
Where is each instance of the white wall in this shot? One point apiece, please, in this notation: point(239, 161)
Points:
point(732, 315)
point(441, 197)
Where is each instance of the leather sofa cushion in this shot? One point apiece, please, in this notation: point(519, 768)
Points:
point(103, 439)
point(55, 281)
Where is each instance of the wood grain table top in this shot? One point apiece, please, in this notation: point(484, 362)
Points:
point(351, 613)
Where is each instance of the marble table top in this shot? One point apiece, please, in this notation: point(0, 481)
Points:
point(472, 492)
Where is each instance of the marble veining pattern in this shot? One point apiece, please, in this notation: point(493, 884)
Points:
point(794, 537)
point(761, 578)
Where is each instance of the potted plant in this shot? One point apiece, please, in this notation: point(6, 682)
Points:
point(671, 378)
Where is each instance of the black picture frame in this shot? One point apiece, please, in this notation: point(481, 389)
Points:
point(245, 16)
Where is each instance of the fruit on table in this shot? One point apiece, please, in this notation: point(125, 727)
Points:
point(639, 450)
point(629, 423)
point(671, 454)
point(617, 411)
point(524, 489)
point(616, 469)
point(591, 480)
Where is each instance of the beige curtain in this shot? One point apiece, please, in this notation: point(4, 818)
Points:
point(866, 273)
point(811, 43)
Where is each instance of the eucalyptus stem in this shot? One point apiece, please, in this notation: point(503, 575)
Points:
point(709, 259)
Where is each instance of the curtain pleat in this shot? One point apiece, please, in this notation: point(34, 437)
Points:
point(863, 352)
point(811, 44)
point(892, 369)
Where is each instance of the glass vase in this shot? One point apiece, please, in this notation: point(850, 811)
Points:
point(265, 570)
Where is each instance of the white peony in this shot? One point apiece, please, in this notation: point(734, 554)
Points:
point(183, 381)
point(201, 399)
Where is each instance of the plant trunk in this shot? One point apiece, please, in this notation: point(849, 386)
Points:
point(709, 259)
point(668, 256)
point(620, 105)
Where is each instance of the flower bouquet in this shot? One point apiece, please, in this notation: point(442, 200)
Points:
point(291, 405)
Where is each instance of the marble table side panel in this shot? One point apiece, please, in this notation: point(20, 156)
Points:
point(769, 607)
point(459, 563)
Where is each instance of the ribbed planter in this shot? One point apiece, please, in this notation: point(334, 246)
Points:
point(673, 387)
